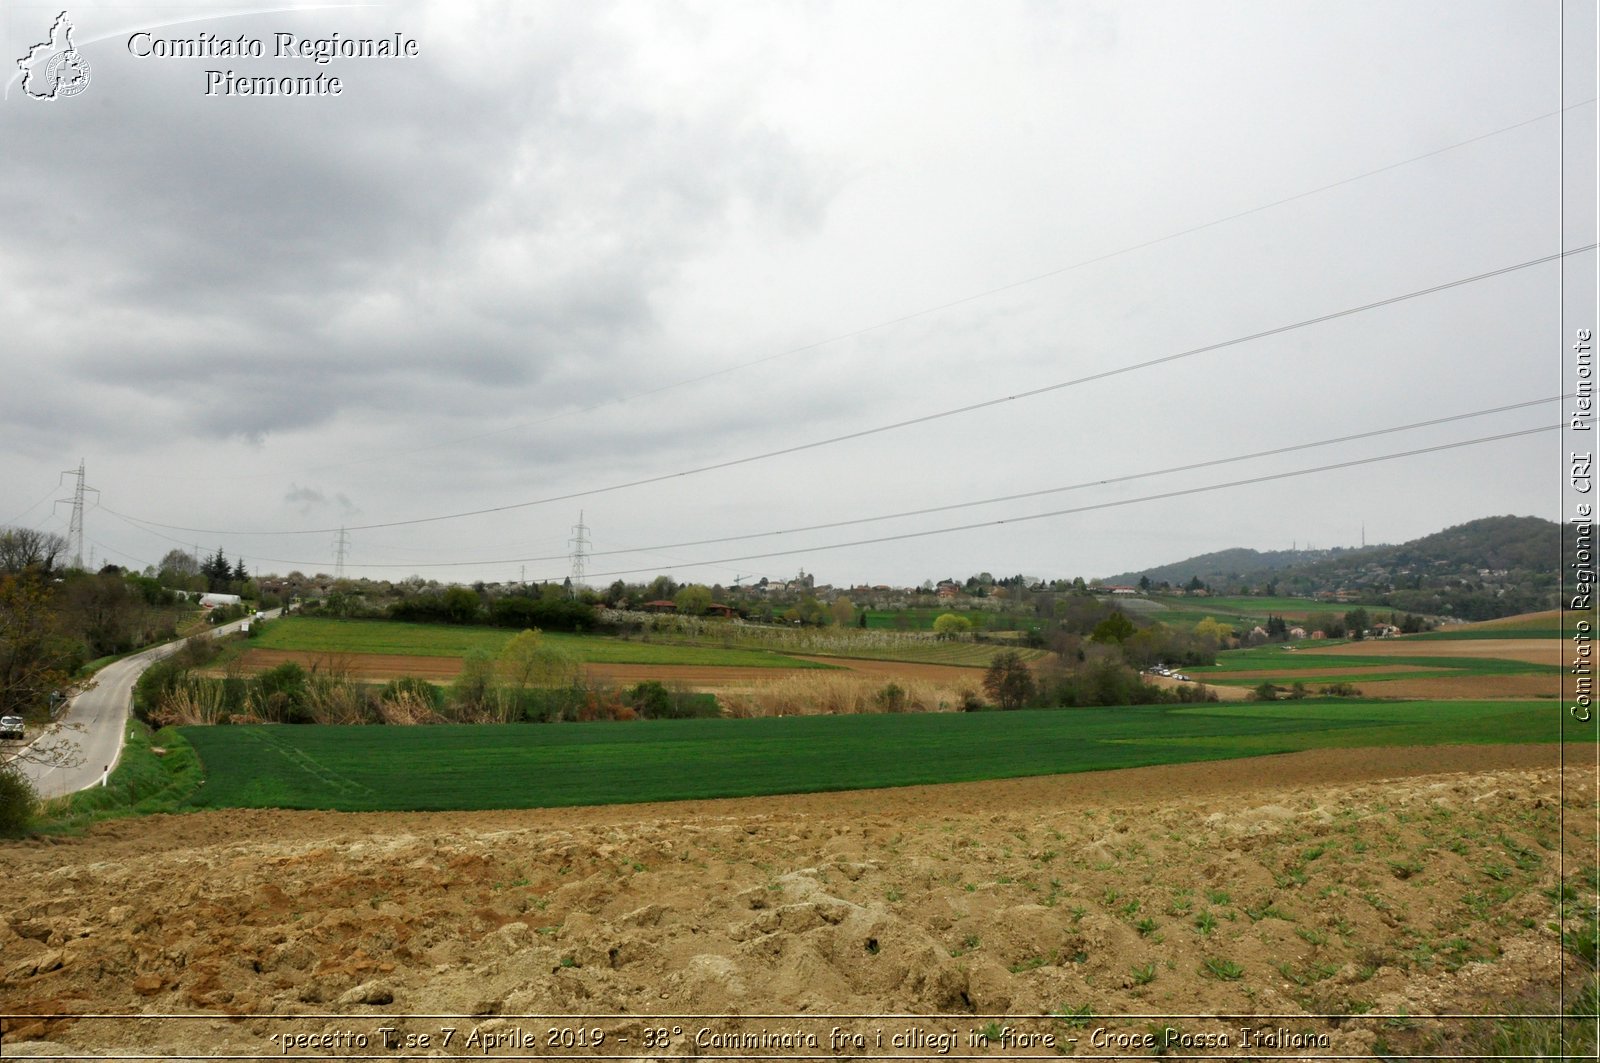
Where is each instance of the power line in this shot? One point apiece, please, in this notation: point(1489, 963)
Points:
point(1267, 478)
point(963, 300)
point(33, 507)
point(1212, 463)
point(1107, 481)
point(923, 419)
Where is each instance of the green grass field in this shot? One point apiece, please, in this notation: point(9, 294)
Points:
point(530, 766)
point(1544, 630)
point(1311, 667)
point(746, 646)
point(1186, 612)
point(320, 635)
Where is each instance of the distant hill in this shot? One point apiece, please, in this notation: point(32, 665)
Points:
point(1228, 568)
point(1488, 568)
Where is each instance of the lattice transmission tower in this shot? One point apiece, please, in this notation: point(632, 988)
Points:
point(580, 550)
point(340, 546)
point(75, 524)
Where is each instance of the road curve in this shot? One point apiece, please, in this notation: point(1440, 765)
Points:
point(88, 737)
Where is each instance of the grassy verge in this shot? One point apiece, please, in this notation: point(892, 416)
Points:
point(522, 766)
point(145, 781)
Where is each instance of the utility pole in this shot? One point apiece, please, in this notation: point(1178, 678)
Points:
point(580, 550)
point(340, 545)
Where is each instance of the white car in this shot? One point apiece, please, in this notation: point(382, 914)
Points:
point(12, 728)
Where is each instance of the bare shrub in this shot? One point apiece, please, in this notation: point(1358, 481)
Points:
point(404, 707)
point(331, 695)
point(192, 701)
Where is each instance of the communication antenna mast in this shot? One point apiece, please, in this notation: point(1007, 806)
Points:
point(580, 550)
point(75, 526)
point(340, 545)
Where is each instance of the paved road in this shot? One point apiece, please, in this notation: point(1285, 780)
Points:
point(95, 723)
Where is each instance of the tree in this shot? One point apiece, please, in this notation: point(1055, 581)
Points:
point(1114, 628)
point(843, 611)
point(949, 625)
point(519, 659)
point(1356, 621)
point(474, 691)
point(1214, 630)
point(18, 801)
point(460, 605)
point(24, 550)
point(35, 661)
point(693, 600)
point(1008, 680)
point(34, 657)
point(810, 611)
point(180, 570)
point(105, 611)
point(530, 661)
point(217, 572)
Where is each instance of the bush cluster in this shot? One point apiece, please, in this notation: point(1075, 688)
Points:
point(173, 693)
point(461, 605)
point(19, 802)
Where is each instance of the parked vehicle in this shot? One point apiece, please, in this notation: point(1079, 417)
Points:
point(12, 729)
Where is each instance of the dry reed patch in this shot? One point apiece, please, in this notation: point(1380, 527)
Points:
point(947, 674)
point(838, 694)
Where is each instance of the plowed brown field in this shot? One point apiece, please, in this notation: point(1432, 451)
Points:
point(1534, 651)
point(1319, 882)
point(1471, 687)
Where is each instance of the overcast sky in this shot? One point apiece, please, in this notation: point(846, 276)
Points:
point(571, 246)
